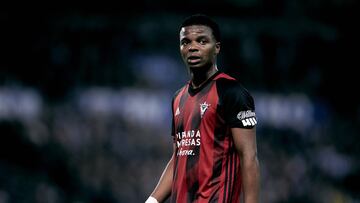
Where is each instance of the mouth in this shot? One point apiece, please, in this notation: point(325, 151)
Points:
point(193, 59)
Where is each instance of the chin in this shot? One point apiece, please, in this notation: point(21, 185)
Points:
point(195, 66)
point(199, 68)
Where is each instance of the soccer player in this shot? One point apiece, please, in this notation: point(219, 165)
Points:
point(215, 153)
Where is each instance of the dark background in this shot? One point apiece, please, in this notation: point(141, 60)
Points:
point(85, 94)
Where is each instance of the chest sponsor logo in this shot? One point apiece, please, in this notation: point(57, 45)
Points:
point(186, 141)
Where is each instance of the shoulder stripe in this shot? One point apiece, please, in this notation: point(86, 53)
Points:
point(224, 76)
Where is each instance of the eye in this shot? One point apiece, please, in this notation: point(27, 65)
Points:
point(184, 42)
point(203, 41)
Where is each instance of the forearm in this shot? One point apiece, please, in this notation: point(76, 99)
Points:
point(251, 179)
point(163, 188)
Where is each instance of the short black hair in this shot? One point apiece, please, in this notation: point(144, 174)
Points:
point(202, 19)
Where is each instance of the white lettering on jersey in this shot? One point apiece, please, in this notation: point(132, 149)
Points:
point(248, 118)
point(186, 140)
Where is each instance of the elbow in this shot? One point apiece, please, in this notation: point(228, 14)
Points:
point(250, 161)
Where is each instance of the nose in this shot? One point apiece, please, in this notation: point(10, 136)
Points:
point(193, 47)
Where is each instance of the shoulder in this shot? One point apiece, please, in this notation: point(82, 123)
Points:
point(179, 91)
point(228, 85)
point(233, 93)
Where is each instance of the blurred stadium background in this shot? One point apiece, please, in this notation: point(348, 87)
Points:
point(85, 95)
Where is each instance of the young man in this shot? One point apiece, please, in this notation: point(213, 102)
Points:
point(215, 153)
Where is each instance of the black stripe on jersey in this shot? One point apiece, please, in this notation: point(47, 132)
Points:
point(219, 137)
point(214, 198)
point(235, 174)
point(192, 194)
point(195, 124)
point(216, 169)
point(183, 98)
point(230, 176)
point(226, 180)
point(231, 182)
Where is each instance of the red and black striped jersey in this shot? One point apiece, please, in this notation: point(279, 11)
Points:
point(206, 165)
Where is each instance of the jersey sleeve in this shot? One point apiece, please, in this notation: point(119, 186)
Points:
point(237, 104)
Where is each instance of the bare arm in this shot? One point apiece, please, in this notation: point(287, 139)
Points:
point(163, 189)
point(245, 142)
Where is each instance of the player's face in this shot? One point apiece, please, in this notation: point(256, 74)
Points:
point(198, 46)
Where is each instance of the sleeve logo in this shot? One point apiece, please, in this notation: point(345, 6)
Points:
point(248, 118)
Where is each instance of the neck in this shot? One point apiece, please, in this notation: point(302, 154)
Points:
point(200, 76)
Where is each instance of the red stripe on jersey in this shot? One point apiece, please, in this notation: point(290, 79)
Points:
point(225, 76)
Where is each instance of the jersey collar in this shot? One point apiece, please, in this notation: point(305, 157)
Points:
point(192, 91)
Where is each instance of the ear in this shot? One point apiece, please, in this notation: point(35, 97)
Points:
point(217, 47)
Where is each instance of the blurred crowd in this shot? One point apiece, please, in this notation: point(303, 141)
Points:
point(85, 101)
